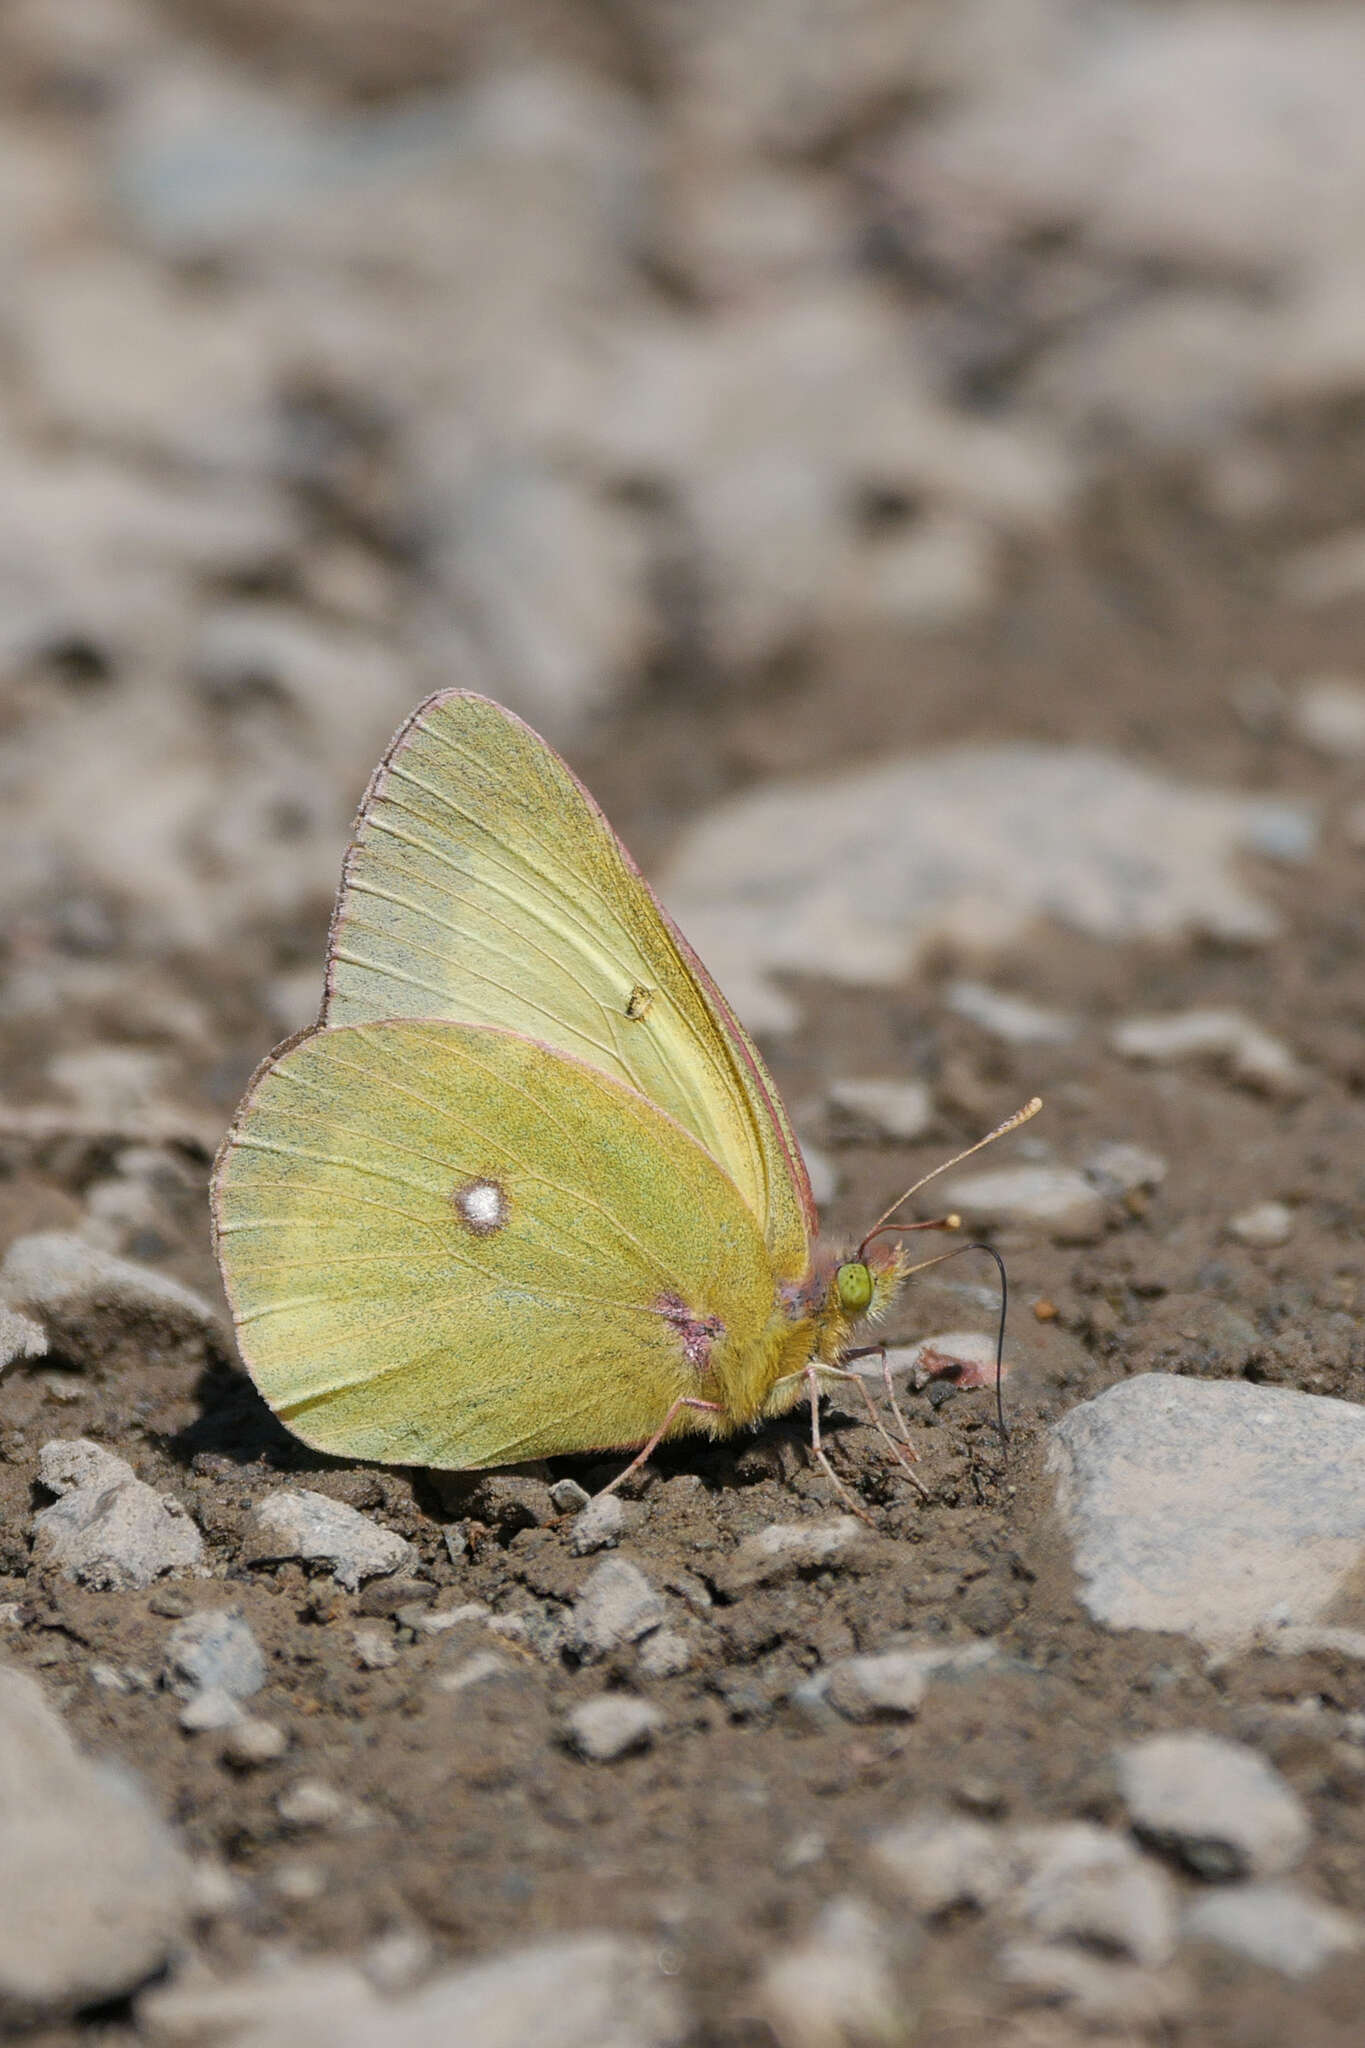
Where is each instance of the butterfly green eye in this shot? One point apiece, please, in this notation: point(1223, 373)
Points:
point(853, 1284)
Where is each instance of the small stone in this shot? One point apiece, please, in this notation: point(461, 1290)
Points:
point(599, 1526)
point(214, 1891)
point(1209, 1507)
point(1218, 1805)
point(298, 1883)
point(98, 1309)
point(215, 1650)
point(1055, 1199)
point(438, 1621)
point(1009, 1017)
point(302, 1524)
point(891, 1684)
point(210, 1709)
point(836, 1986)
point(509, 1500)
point(107, 1529)
point(1250, 1054)
point(1120, 1169)
point(474, 1670)
point(902, 1110)
point(1077, 1882)
point(253, 1742)
point(1329, 713)
point(617, 1605)
point(385, 1598)
point(20, 1337)
point(398, 1959)
point(1275, 1925)
point(937, 1861)
point(300, 2001)
point(578, 1991)
point(786, 1549)
point(1263, 1227)
point(98, 1891)
point(664, 1654)
point(374, 1648)
point(568, 1496)
point(311, 1803)
point(1113, 1997)
point(612, 1725)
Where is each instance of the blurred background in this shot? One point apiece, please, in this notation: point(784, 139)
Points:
point(738, 393)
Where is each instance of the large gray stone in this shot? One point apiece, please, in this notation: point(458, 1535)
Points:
point(1212, 1508)
point(1274, 1924)
point(296, 1522)
point(98, 1309)
point(1217, 1805)
point(107, 1528)
point(96, 1892)
point(617, 1605)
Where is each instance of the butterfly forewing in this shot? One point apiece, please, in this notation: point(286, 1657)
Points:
point(483, 884)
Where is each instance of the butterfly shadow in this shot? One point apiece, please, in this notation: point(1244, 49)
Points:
point(234, 1424)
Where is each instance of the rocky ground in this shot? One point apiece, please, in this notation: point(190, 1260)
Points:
point(911, 458)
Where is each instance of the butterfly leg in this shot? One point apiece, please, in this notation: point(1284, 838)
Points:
point(813, 1372)
point(879, 1351)
point(904, 1453)
point(683, 1401)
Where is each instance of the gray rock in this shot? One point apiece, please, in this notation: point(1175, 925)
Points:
point(1055, 1199)
point(664, 1653)
point(1120, 1169)
point(612, 1725)
point(599, 1526)
point(374, 1647)
point(836, 1985)
point(1329, 713)
point(1076, 1882)
point(937, 1860)
point(300, 1523)
point(1274, 1924)
point(299, 2002)
point(1249, 1054)
point(214, 1650)
point(1217, 1805)
point(484, 1664)
point(1110, 1996)
point(107, 1529)
point(617, 1605)
point(98, 1892)
point(1009, 1017)
point(1284, 1639)
point(311, 1803)
point(891, 1684)
point(862, 873)
point(252, 1742)
point(1209, 1507)
point(785, 1549)
point(94, 1305)
point(823, 1173)
point(209, 1709)
point(1263, 1227)
point(568, 1496)
point(902, 1110)
point(20, 1337)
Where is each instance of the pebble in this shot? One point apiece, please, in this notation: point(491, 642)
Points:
point(438, 1621)
point(78, 1292)
point(617, 1605)
point(302, 1524)
point(1008, 1017)
point(612, 1725)
point(473, 1671)
point(1263, 1227)
point(835, 1986)
point(252, 1742)
point(1055, 1199)
point(1217, 1805)
point(214, 1650)
point(311, 1803)
point(1110, 1996)
point(209, 1709)
point(1121, 1169)
point(374, 1648)
point(664, 1653)
point(510, 1500)
point(902, 1110)
point(294, 2001)
point(1329, 714)
point(891, 1684)
point(108, 1529)
point(937, 1860)
point(104, 1896)
point(1276, 1925)
point(1210, 1508)
point(1077, 1882)
point(568, 1496)
point(20, 1337)
point(786, 1549)
point(1251, 1055)
point(598, 1526)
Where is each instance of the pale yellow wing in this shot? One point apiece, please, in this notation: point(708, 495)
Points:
point(484, 884)
point(446, 1245)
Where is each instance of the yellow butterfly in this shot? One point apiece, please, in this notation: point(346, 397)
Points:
point(526, 1188)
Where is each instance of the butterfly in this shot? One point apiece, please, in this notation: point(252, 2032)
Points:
point(527, 1187)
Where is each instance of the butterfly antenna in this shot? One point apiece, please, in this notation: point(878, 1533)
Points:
point(1011, 1123)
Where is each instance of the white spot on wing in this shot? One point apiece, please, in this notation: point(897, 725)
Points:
point(481, 1206)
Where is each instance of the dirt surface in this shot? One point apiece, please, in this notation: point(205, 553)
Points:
point(470, 1822)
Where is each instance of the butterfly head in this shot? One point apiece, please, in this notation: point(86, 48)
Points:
point(867, 1283)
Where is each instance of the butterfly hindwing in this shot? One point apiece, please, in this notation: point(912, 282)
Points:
point(445, 1244)
point(484, 884)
